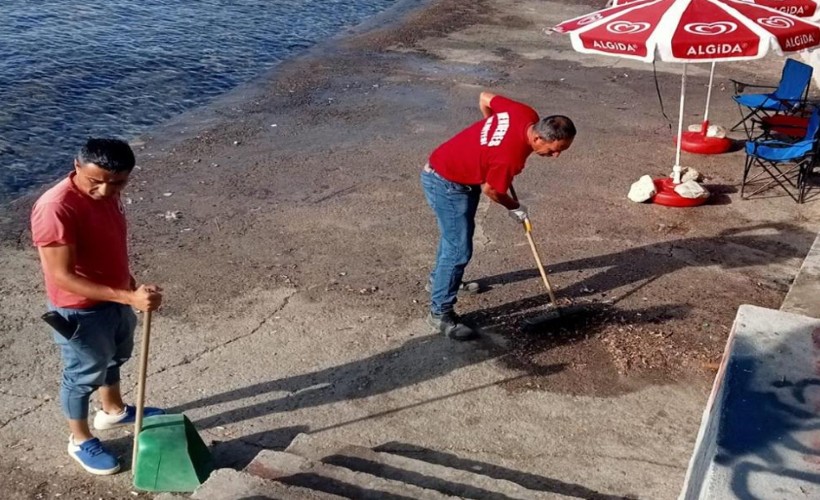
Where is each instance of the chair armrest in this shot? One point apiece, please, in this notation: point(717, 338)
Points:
point(794, 104)
point(741, 86)
point(773, 143)
point(780, 151)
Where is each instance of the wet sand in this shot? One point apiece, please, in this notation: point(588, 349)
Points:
point(288, 228)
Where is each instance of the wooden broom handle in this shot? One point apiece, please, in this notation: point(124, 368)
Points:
point(528, 232)
point(143, 369)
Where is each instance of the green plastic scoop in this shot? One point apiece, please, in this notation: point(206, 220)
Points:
point(169, 455)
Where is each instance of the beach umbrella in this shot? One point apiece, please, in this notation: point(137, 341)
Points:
point(800, 8)
point(689, 31)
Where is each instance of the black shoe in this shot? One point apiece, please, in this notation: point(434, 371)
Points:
point(448, 324)
point(467, 287)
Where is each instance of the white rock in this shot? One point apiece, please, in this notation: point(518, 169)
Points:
point(643, 190)
point(688, 174)
point(691, 189)
point(712, 131)
point(716, 131)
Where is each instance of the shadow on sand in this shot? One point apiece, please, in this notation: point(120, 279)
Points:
point(429, 357)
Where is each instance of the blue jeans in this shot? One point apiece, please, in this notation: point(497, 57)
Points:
point(455, 206)
point(102, 341)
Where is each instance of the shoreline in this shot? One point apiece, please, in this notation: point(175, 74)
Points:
point(191, 118)
point(294, 276)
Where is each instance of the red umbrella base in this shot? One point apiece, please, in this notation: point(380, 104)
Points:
point(696, 142)
point(667, 196)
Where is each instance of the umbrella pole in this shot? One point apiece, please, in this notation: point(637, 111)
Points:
point(676, 170)
point(704, 128)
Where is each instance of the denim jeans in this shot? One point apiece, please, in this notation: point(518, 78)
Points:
point(102, 341)
point(455, 206)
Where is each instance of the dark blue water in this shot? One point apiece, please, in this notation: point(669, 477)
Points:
point(73, 69)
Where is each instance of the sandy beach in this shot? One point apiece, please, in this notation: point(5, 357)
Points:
point(287, 226)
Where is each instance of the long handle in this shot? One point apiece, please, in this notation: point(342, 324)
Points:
point(676, 170)
point(146, 340)
point(528, 232)
point(709, 95)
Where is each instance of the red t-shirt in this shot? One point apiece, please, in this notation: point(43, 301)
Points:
point(65, 216)
point(492, 150)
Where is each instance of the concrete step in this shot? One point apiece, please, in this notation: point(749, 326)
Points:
point(431, 476)
point(802, 296)
point(306, 473)
point(315, 448)
point(229, 484)
point(757, 436)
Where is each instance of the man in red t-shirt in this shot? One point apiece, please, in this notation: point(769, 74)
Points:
point(79, 229)
point(484, 157)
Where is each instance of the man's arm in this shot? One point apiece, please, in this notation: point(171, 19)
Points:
point(58, 262)
point(484, 103)
point(501, 198)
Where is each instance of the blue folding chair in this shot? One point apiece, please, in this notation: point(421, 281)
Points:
point(787, 164)
point(788, 96)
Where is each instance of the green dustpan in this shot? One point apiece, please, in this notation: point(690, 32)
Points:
point(169, 455)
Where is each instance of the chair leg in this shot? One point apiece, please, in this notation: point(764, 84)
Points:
point(751, 161)
point(801, 186)
point(784, 175)
point(803, 181)
point(758, 112)
point(742, 120)
point(753, 112)
point(783, 178)
point(746, 168)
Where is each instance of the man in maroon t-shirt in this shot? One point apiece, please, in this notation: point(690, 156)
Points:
point(79, 229)
point(484, 157)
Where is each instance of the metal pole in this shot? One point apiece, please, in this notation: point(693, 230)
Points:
point(709, 96)
point(676, 170)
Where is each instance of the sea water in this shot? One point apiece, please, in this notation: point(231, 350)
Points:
point(74, 69)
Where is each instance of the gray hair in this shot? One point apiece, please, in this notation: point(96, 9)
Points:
point(556, 128)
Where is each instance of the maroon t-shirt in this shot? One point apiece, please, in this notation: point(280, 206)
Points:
point(492, 150)
point(65, 216)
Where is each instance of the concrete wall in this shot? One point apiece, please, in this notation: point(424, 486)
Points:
point(760, 434)
point(804, 294)
point(706, 442)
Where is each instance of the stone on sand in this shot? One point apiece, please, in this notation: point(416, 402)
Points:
point(689, 174)
point(712, 131)
point(691, 189)
point(642, 190)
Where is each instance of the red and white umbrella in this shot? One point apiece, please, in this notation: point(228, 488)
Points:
point(800, 8)
point(689, 31)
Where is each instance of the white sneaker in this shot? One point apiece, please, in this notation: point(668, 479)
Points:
point(128, 416)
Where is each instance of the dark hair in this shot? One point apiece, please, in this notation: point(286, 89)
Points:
point(114, 155)
point(555, 128)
